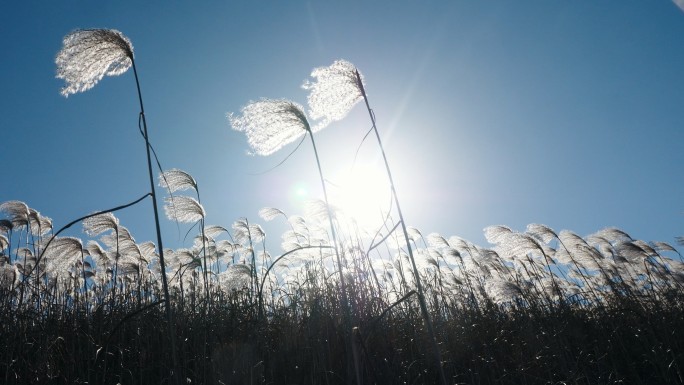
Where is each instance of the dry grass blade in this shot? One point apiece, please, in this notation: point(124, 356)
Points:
point(17, 212)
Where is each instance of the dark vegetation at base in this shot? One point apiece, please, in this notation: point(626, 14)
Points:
point(626, 339)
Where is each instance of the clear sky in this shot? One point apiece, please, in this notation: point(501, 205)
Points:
point(492, 112)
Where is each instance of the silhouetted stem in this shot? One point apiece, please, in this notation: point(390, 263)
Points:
point(345, 301)
point(167, 300)
point(332, 228)
point(419, 286)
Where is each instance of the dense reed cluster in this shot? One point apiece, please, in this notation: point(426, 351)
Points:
point(334, 304)
point(536, 307)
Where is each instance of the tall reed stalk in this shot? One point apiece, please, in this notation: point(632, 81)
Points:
point(87, 56)
point(419, 286)
point(343, 286)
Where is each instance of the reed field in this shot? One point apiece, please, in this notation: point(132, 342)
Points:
point(327, 301)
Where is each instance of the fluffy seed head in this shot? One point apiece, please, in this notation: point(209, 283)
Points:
point(184, 209)
point(270, 124)
point(177, 180)
point(87, 55)
point(333, 93)
point(100, 223)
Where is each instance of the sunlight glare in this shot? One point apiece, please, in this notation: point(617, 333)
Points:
point(363, 194)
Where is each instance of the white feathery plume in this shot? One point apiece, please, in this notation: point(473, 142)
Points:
point(501, 290)
point(177, 180)
point(9, 276)
point(436, 240)
point(292, 240)
point(236, 277)
point(100, 223)
point(632, 251)
point(62, 254)
point(183, 257)
point(600, 243)
point(452, 256)
point(270, 213)
point(200, 242)
point(541, 232)
point(270, 124)
point(39, 224)
point(17, 212)
point(459, 243)
point(128, 268)
point(147, 251)
point(241, 231)
point(184, 209)
point(574, 244)
point(130, 252)
point(87, 55)
point(414, 233)
point(99, 255)
point(214, 231)
point(613, 235)
point(121, 236)
point(497, 234)
point(662, 246)
point(225, 250)
point(650, 251)
point(298, 224)
point(334, 92)
point(257, 233)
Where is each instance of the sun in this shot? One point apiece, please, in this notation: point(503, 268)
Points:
point(363, 194)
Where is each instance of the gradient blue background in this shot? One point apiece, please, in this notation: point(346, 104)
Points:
point(495, 112)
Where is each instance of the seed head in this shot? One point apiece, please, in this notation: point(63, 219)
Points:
point(88, 55)
point(270, 124)
point(334, 92)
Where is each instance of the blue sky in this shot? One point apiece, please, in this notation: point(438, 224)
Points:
point(495, 112)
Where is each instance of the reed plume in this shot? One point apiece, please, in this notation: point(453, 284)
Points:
point(333, 93)
point(90, 54)
point(270, 124)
